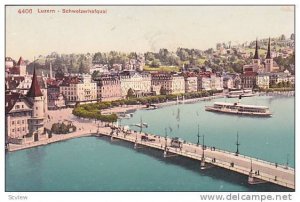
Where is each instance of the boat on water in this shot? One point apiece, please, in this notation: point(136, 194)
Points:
point(242, 93)
point(239, 109)
point(151, 107)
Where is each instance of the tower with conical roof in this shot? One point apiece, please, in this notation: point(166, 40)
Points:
point(256, 59)
point(269, 60)
point(36, 122)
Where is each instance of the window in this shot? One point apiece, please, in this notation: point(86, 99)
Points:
point(23, 121)
point(13, 122)
point(23, 128)
point(36, 108)
point(13, 130)
point(18, 122)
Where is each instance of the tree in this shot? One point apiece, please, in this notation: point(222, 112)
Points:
point(155, 63)
point(130, 93)
point(282, 37)
point(95, 74)
point(59, 73)
point(81, 68)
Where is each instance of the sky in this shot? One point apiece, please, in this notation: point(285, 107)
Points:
point(140, 28)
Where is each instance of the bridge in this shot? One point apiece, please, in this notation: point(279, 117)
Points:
point(258, 171)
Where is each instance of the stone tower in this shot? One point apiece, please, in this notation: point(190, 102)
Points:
point(36, 122)
point(269, 60)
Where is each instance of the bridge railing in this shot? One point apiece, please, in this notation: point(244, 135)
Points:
point(246, 157)
point(264, 177)
point(219, 163)
point(232, 153)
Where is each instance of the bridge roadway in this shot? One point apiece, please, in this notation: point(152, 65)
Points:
point(268, 172)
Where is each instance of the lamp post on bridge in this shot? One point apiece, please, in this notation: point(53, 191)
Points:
point(237, 144)
point(141, 128)
point(198, 135)
point(202, 165)
point(166, 139)
point(166, 143)
point(287, 161)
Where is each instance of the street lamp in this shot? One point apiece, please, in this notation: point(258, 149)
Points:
point(203, 146)
point(202, 164)
point(198, 135)
point(237, 144)
point(141, 129)
point(166, 139)
point(287, 161)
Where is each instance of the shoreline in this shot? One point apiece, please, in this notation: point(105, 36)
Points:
point(89, 127)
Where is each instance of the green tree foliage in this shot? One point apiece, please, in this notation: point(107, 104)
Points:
point(155, 63)
point(130, 93)
point(62, 128)
point(286, 63)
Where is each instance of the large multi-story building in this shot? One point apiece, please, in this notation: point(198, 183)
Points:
point(262, 80)
point(209, 81)
point(139, 83)
point(191, 84)
point(280, 77)
point(248, 80)
point(56, 100)
point(228, 82)
point(79, 89)
point(25, 114)
point(170, 84)
point(108, 88)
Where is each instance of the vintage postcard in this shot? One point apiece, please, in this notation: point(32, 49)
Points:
point(185, 98)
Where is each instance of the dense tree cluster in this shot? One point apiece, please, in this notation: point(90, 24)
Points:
point(62, 128)
point(93, 110)
point(286, 63)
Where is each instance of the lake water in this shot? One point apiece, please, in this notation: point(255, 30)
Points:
point(96, 164)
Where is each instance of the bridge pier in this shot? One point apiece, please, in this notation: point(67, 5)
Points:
point(253, 180)
point(251, 177)
point(202, 164)
point(165, 153)
point(135, 145)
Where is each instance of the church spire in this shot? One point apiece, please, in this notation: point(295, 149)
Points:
point(269, 51)
point(35, 90)
point(256, 51)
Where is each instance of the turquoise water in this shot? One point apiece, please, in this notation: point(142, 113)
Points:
point(96, 164)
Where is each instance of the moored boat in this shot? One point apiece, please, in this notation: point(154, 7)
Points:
point(239, 109)
point(242, 93)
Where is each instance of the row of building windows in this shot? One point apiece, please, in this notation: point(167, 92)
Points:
point(19, 106)
point(18, 122)
point(18, 129)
